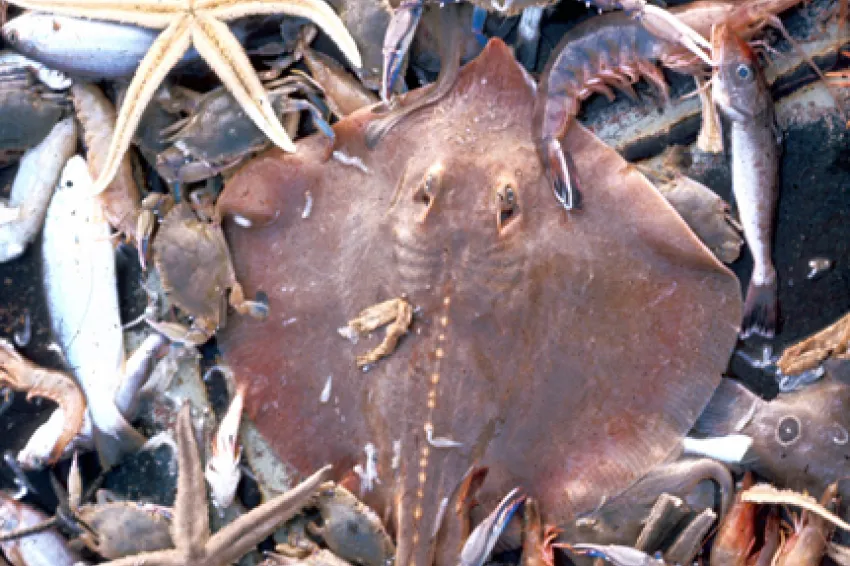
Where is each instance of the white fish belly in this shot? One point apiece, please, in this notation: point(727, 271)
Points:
point(79, 276)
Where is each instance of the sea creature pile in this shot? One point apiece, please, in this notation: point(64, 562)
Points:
point(424, 283)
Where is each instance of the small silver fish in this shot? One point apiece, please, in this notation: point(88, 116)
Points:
point(82, 297)
point(47, 548)
point(37, 177)
point(743, 100)
point(85, 48)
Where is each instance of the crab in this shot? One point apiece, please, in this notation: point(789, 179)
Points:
point(193, 261)
point(351, 529)
point(112, 529)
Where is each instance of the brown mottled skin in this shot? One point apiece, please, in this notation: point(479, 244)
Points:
point(569, 354)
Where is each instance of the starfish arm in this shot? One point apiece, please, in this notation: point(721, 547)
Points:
point(222, 51)
point(146, 13)
point(165, 52)
point(190, 529)
point(317, 11)
point(158, 558)
point(239, 537)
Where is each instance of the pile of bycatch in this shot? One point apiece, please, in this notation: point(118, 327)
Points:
point(372, 282)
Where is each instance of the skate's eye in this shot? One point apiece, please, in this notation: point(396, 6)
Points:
point(428, 189)
point(744, 71)
point(507, 204)
point(788, 430)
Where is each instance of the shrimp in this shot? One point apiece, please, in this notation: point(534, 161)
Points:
point(22, 375)
point(617, 50)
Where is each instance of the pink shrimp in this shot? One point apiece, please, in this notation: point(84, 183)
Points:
point(617, 50)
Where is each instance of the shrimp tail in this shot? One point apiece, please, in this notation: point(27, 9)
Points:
point(761, 310)
point(560, 175)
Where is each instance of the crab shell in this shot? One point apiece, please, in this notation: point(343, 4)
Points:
point(194, 263)
point(125, 528)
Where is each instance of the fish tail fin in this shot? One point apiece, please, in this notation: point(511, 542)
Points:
point(761, 310)
point(114, 437)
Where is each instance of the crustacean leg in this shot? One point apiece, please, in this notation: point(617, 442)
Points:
point(689, 542)
point(537, 542)
point(566, 80)
point(397, 41)
point(22, 375)
point(450, 53)
point(398, 313)
point(529, 36)
point(665, 515)
point(832, 341)
point(710, 137)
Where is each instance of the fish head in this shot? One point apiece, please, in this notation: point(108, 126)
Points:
point(75, 175)
point(19, 33)
point(738, 86)
point(802, 438)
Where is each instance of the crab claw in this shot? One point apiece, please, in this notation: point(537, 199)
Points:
point(400, 33)
point(144, 229)
point(480, 543)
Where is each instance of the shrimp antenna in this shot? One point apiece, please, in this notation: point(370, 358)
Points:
point(27, 531)
point(777, 24)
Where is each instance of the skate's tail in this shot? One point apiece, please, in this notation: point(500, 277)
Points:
point(761, 309)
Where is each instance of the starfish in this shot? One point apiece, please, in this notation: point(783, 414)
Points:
point(190, 529)
point(198, 23)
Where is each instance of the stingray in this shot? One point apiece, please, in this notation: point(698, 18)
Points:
point(566, 352)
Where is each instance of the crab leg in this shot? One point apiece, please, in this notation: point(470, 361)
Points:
point(529, 36)
point(397, 41)
point(450, 49)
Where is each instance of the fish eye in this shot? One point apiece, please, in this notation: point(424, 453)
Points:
point(743, 71)
point(12, 37)
point(788, 430)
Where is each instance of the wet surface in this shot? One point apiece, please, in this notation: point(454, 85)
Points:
point(813, 221)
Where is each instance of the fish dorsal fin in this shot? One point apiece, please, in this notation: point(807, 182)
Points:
point(730, 409)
